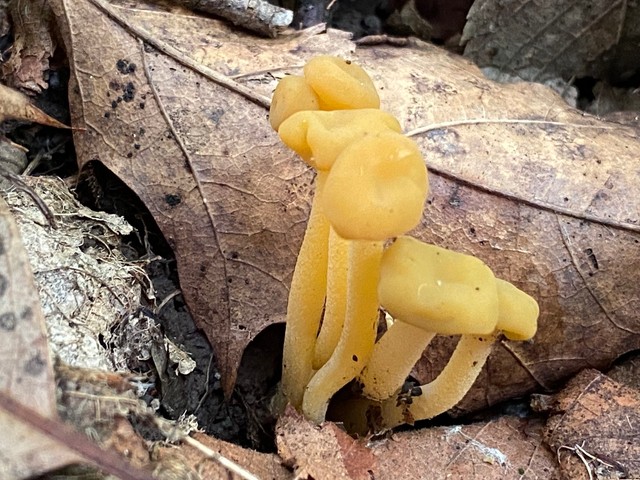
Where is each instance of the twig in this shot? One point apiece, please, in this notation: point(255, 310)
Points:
point(206, 388)
point(583, 455)
point(174, 434)
point(75, 442)
point(256, 15)
point(23, 187)
point(221, 459)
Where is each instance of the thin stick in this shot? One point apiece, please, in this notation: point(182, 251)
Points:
point(222, 460)
point(75, 442)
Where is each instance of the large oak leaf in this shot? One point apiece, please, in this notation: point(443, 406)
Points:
point(176, 107)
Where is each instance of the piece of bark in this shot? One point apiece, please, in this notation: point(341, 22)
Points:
point(256, 15)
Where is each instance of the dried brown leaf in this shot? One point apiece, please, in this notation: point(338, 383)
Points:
point(17, 106)
point(322, 452)
point(258, 464)
point(225, 193)
point(507, 448)
point(32, 46)
point(542, 39)
point(534, 188)
point(594, 428)
point(26, 375)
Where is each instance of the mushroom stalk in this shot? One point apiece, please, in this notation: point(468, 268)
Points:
point(394, 355)
point(359, 333)
point(449, 387)
point(306, 301)
point(336, 302)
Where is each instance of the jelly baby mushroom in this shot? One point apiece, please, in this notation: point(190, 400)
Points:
point(374, 191)
point(307, 293)
point(318, 137)
point(424, 286)
point(329, 83)
point(444, 292)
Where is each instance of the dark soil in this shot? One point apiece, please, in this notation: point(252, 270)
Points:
point(244, 418)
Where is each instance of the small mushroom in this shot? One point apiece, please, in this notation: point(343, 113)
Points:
point(340, 84)
point(293, 94)
point(318, 137)
point(329, 83)
point(375, 190)
point(440, 291)
point(435, 291)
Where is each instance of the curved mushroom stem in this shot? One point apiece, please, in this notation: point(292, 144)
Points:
point(359, 333)
point(336, 302)
point(306, 301)
point(394, 355)
point(447, 389)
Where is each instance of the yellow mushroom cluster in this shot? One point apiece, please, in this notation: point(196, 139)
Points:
point(371, 185)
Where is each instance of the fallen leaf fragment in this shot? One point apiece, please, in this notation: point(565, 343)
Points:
point(535, 189)
point(253, 464)
point(536, 40)
point(595, 427)
point(322, 452)
point(79, 284)
point(506, 448)
point(26, 373)
point(32, 47)
point(38, 444)
point(17, 106)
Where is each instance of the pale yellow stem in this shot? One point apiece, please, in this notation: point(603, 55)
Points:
point(394, 355)
point(336, 302)
point(306, 301)
point(358, 335)
point(446, 391)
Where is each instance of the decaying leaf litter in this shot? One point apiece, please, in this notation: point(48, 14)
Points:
point(461, 191)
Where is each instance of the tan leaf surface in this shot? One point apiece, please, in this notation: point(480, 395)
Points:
point(261, 465)
point(542, 39)
point(322, 452)
point(537, 190)
point(507, 448)
point(595, 428)
point(17, 106)
point(26, 375)
point(32, 47)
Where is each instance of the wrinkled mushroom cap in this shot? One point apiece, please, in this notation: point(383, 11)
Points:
point(340, 84)
point(293, 94)
point(438, 290)
point(518, 315)
point(319, 137)
point(376, 188)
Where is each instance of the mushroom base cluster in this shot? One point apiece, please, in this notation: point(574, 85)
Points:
point(371, 185)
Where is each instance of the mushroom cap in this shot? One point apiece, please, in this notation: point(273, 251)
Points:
point(438, 290)
point(518, 315)
point(293, 94)
point(376, 188)
point(340, 84)
point(319, 136)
